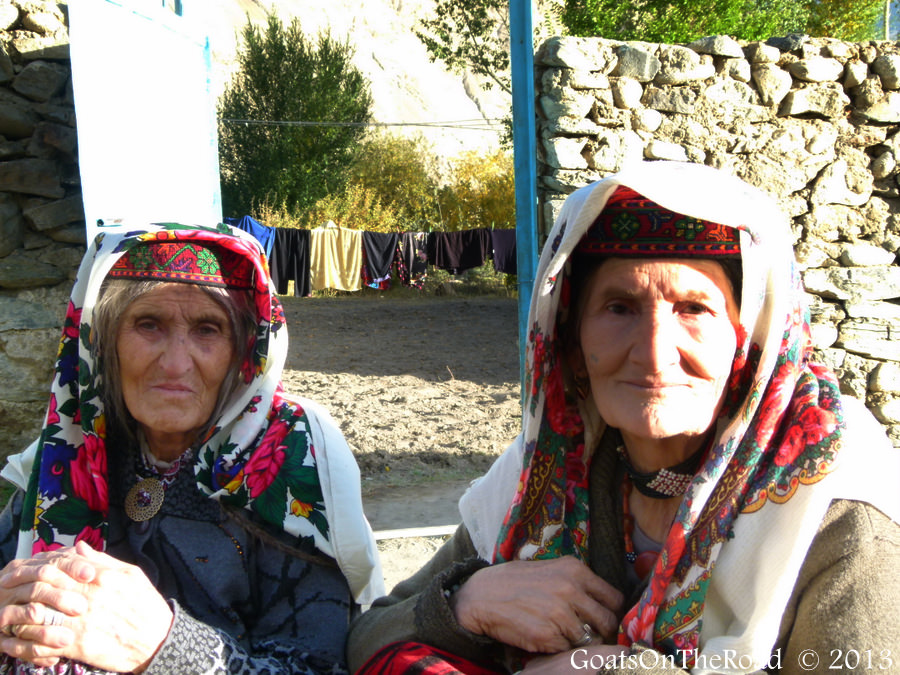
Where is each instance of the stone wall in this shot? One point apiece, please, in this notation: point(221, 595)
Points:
point(42, 228)
point(813, 121)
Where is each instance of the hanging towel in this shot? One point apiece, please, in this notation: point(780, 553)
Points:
point(457, 252)
point(504, 244)
point(411, 260)
point(335, 258)
point(379, 249)
point(290, 260)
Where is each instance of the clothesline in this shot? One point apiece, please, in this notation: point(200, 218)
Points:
point(346, 259)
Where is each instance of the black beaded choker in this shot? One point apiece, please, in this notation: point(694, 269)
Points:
point(671, 481)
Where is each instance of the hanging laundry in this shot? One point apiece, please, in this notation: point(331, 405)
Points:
point(378, 250)
point(335, 258)
point(290, 260)
point(504, 245)
point(457, 252)
point(264, 235)
point(411, 260)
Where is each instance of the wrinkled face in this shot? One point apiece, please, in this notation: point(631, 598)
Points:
point(658, 338)
point(175, 347)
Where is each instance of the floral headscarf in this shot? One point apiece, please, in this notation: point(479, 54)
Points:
point(779, 433)
point(268, 452)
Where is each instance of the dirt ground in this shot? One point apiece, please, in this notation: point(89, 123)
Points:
point(426, 391)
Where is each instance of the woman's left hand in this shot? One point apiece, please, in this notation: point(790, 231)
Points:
point(124, 625)
point(587, 659)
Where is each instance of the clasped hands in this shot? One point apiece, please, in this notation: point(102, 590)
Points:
point(84, 605)
point(542, 606)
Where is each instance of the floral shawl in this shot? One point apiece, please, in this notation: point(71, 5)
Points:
point(780, 434)
point(280, 457)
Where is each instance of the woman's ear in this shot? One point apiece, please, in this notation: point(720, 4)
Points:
point(578, 368)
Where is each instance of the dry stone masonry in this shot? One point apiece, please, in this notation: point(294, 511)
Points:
point(42, 228)
point(815, 122)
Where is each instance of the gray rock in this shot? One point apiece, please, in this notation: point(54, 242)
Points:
point(887, 67)
point(718, 45)
point(32, 47)
point(679, 65)
point(564, 153)
point(885, 378)
point(789, 43)
point(864, 255)
point(56, 214)
point(773, 83)
point(17, 120)
point(883, 311)
point(18, 270)
point(841, 183)
point(626, 92)
point(43, 23)
point(674, 99)
point(884, 165)
point(867, 338)
point(816, 69)
point(885, 110)
point(855, 73)
point(577, 53)
point(9, 15)
point(854, 283)
point(31, 176)
point(7, 70)
point(647, 119)
point(40, 80)
point(737, 69)
point(570, 104)
point(757, 52)
point(12, 227)
point(663, 150)
point(635, 63)
point(70, 234)
point(827, 99)
point(18, 314)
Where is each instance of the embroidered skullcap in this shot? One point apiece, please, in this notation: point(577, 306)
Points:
point(632, 225)
point(192, 262)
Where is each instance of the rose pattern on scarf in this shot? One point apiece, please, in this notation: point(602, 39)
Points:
point(68, 491)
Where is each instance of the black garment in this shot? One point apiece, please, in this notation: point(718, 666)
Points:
point(457, 252)
point(412, 259)
point(290, 261)
point(379, 248)
point(504, 243)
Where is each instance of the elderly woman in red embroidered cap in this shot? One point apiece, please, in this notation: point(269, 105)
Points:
point(180, 513)
point(690, 490)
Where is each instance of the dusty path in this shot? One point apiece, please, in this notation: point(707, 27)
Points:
point(426, 391)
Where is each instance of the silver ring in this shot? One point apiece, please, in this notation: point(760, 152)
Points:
point(52, 617)
point(585, 639)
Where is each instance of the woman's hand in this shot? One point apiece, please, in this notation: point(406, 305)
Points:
point(538, 605)
point(123, 621)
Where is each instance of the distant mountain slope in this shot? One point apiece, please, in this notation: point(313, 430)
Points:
point(406, 87)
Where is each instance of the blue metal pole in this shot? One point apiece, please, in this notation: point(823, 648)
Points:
point(521, 46)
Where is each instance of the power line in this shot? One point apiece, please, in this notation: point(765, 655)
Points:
point(469, 125)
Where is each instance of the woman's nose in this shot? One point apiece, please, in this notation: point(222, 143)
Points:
point(656, 345)
point(175, 358)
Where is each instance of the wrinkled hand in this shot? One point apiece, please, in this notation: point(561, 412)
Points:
point(118, 625)
point(538, 605)
point(591, 658)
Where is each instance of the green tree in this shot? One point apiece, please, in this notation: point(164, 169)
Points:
point(470, 34)
point(397, 169)
point(290, 120)
point(680, 21)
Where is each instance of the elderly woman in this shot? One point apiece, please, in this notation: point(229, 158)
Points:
point(180, 513)
point(690, 490)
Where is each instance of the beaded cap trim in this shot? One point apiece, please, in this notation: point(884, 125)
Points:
point(190, 262)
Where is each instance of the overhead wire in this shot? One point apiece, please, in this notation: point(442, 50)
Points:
point(479, 124)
